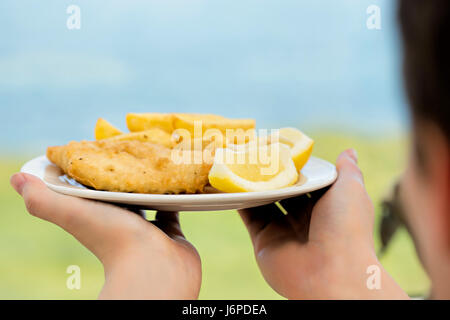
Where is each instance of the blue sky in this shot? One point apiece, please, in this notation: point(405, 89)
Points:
point(309, 64)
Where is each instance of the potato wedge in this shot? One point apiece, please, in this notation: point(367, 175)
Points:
point(155, 135)
point(143, 121)
point(104, 130)
point(187, 121)
point(171, 121)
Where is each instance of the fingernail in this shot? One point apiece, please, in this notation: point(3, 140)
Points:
point(17, 182)
point(353, 154)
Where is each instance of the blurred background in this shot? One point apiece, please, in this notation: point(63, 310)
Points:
point(309, 64)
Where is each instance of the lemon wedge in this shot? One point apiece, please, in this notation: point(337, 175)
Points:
point(300, 144)
point(260, 168)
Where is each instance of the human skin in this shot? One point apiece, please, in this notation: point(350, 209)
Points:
point(320, 250)
point(323, 247)
point(425, 194)
point(141, 259)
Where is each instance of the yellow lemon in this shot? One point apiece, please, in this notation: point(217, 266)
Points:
point(300, 144)
point(258, 168)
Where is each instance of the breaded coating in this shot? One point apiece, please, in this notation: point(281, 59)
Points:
point(128, 166)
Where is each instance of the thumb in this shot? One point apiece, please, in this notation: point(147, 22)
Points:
point(91, 222)
point(347, 167)
point(345, 210)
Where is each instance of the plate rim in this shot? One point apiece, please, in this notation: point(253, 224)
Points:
point(193, 199)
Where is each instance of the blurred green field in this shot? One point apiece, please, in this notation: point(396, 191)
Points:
point(34, 254)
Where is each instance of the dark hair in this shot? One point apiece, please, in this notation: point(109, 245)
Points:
point(425, 26)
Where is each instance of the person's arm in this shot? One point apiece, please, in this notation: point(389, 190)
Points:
point(323, 247)
point(141, 259)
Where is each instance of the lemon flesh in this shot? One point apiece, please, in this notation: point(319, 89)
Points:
point(260, 168)
point(300, 144)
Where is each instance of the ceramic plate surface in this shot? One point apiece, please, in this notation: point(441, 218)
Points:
point(316, 174)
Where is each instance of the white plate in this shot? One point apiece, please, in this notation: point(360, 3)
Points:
point(316, 174)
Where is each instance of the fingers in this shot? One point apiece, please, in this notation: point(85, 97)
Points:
point(43, 203)
point(169, 223)
point(299, 209)
point(299, 215)
point(347, 168)
point(94, 224)
point(256, 219)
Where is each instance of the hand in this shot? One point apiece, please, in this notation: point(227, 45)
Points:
point(142, 260)
point(322, 248)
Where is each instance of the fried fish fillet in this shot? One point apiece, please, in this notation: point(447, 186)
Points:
point(129, 166)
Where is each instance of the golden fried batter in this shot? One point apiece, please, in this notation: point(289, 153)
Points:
point(128, 166)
